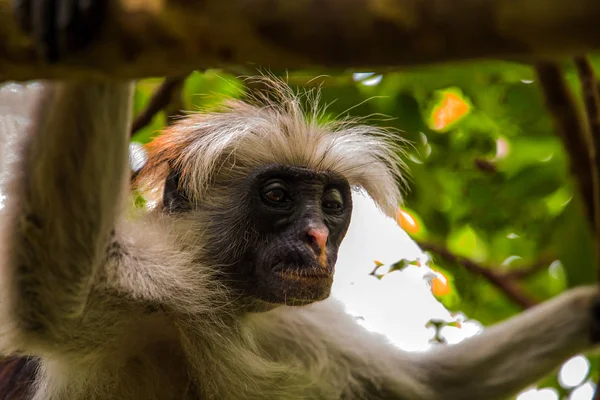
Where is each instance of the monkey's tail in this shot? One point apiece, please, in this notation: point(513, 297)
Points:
point(17, 375)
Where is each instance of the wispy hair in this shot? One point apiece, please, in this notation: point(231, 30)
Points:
point(276, 126)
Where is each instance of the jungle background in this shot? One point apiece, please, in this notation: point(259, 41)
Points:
point(489, 195)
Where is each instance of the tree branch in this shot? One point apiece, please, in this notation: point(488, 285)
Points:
point(504, 284)
point(175, 110)
point(591, 103)
point(591, 98)
point(573, 133)
point(529, 270)
point(163, 96)
point(168, 37)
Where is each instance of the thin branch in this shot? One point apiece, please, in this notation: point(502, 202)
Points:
point(589, 87)
point(524, 272)
point(160, 99)
point(168, 37)
point(175, 110)
point(580, 141)
point(591, 101)
point(485, 166)
point(573, 133)
point(506, 285)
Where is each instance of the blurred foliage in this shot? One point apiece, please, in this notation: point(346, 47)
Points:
point(488, 175)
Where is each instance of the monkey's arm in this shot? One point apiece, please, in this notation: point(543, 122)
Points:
point(510, 355)
point(63, 198)
point(499, 362)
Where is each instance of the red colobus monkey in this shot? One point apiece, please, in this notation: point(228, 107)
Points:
point(221, 291)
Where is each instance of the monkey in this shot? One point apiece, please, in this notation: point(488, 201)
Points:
point(220, 288)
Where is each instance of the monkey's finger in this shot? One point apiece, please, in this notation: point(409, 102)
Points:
point(65, 24)
point(22, 12)
point(37, 18)
point(44, 25)
point(80, 22)
point(60, 27)
point(92, 13)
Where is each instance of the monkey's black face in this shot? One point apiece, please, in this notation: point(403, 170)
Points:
point(297, 219)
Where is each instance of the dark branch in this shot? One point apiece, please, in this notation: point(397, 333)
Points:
point(506, 285)
point(591, 101)
point(524, 272)
point(573, 133)
point(175, 110)
point(589, 87)
point(168, 37)
point(163, 96)
point(485, 166)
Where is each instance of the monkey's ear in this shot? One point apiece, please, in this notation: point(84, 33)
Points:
point(174, 199)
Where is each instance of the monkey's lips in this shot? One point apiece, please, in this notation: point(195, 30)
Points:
point(299, 286)
point(303, 273)
point(293, 278)
point(307, 269)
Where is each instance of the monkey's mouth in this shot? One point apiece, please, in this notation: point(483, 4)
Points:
point(293, 283)
point(303, 273)
point(307, 270)
point(301, 267)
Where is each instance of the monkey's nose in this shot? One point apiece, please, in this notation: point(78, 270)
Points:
point(317, 238)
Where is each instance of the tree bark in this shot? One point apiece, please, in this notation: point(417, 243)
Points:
point(170, 37)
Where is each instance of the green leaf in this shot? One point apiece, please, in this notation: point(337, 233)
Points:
point(467, 243)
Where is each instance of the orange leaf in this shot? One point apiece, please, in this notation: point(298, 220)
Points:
point(439, 287)
point(407, 222)
point(451, 109)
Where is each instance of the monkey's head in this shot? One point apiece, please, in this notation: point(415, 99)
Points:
point(269, 191)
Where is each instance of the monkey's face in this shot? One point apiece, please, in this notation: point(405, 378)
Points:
point(297, 220)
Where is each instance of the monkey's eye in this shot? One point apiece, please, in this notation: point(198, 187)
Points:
point(275, 193)
point(333, 201)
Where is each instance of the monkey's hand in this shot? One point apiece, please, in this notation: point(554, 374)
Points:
point(60, 27)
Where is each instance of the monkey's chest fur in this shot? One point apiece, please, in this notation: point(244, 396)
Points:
point(147, 363)
point(156, 369)
point(160, 361)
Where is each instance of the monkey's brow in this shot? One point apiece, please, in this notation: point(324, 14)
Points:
point(299, 172)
